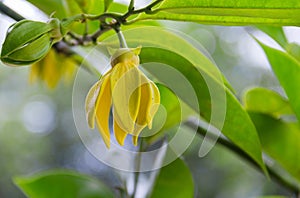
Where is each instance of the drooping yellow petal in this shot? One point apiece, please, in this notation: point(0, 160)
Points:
point(68, 69)
point(135, 140)
point(145, 105)
point(126, 95)
point(102, 107)
point(120, 134)
point(155, 103)
point(90, 103)
point(50, 73)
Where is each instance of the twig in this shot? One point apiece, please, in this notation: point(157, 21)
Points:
point(147, 10)
point(222, 141)
point(116, 20)
point(9, 12)
point(138, 166)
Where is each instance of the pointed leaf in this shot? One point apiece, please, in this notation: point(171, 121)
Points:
point(229, 12)
point(287, 70)
point(237, 125)
point(107, 4)
point(62, 183)
point(280, 141)
point(276, 33)
point(261, 100)
point(51, 6)
point(174, 180)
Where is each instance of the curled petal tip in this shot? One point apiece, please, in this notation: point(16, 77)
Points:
point(120, 134)
point(135, 140)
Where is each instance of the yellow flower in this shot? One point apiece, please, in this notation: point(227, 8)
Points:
point(52, 68)
point(133, 97)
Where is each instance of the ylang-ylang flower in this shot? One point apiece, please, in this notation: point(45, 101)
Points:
point(133, 98)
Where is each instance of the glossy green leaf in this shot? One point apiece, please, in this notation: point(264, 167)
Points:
point(107, 3)
point(276, 33)
point(280, 141)
point(51, 6)
point(287, 70)
point(294, 50)
point(62, 183)
point(73, 7)
point(261, 100)
point(67, 8)
point(174, 180)
point(172, 105)
point(229, 12)
point(238, 127)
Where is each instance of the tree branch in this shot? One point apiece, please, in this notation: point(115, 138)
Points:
point(224, 142)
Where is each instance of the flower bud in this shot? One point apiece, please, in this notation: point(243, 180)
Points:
point(28, 41)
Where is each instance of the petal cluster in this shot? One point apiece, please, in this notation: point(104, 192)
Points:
point(133, 98)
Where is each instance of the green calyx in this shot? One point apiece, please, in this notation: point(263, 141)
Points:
point(124, 55)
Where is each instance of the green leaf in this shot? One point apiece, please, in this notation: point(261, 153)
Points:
point(294, 50)
point(51, 6)
point(287, 70)
point(280, 141)
point(261, 100)
point(174, 180)
point(237, 124)
point(67, 8)
point(74, 7)
point(107, 4)
point(62, 183)
point(229, 12)
point(273, 196)
point(276, 33)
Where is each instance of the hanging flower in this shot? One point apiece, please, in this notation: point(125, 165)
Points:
point(52, 68)
point(133, 97)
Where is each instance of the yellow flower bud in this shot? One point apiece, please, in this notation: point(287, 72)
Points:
point(132, 96)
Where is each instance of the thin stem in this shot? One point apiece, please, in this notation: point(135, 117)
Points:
point(222, 141)
point(131, 6)
point(116, 20)
point(147, 10)
point(9, 12)
point(138, 167)
point(122, 40)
